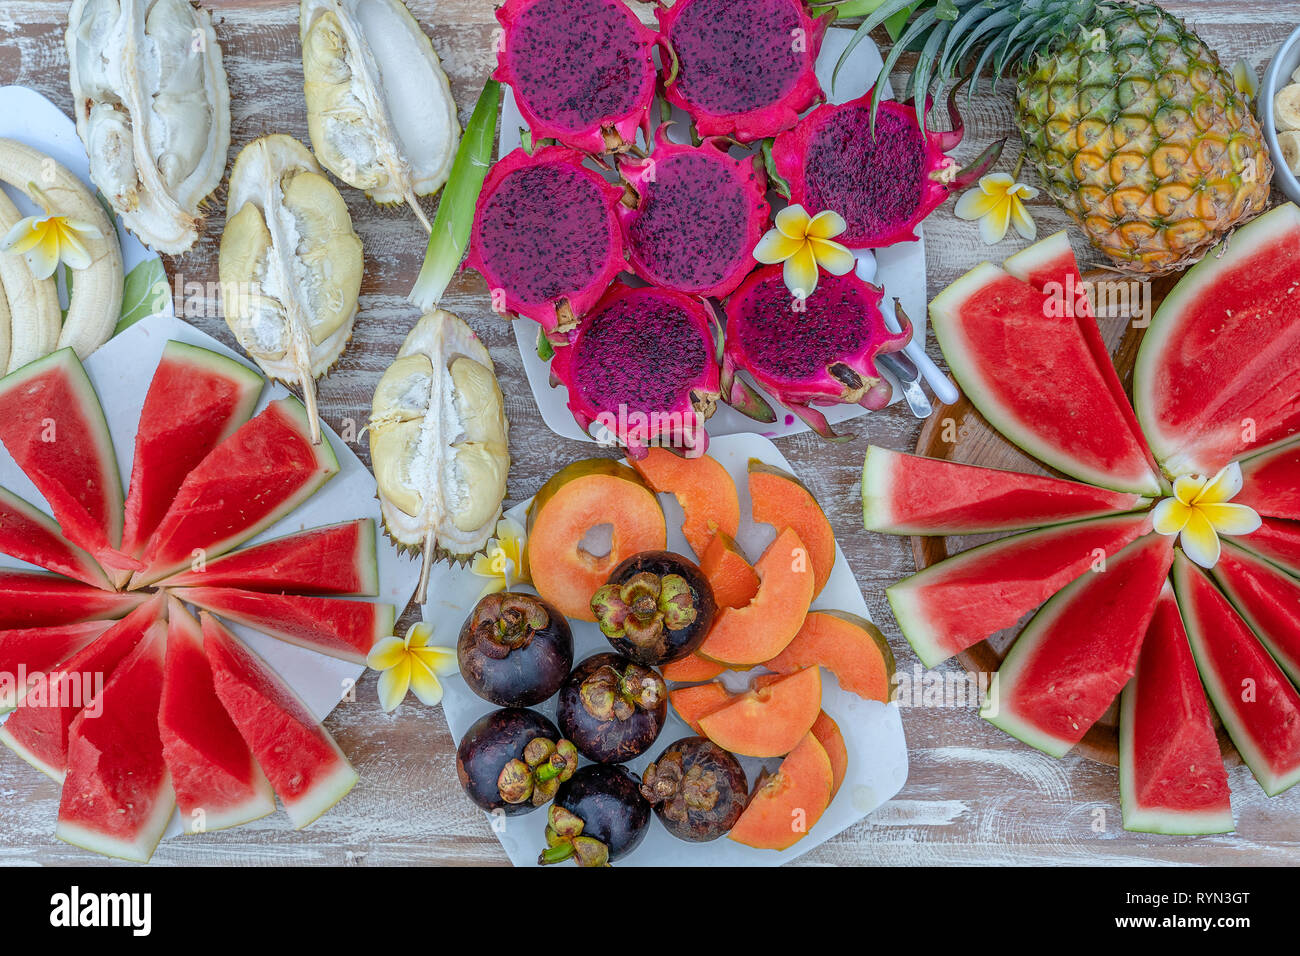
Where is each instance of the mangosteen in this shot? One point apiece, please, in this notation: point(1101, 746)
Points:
point(612, 708)
point(599, 816)
point(697, 789)
point(514, 649)
point(655, 607)
point(513, 760)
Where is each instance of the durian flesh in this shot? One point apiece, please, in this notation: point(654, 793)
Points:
point(290, 265)
point(153, 111)
point(439, 442)
point(379, 107)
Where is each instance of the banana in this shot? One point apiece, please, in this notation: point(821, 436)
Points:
point(4, 327)
point(96, 301)
point(31, 304)
point(1286, 107)
point(1289, 140)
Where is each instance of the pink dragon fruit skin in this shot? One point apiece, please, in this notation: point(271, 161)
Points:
point(696, 215)
point(883, 185)
point(643, 362)
point(546, 237)
point(817, 351)
point(741, 68)
point(582, 71)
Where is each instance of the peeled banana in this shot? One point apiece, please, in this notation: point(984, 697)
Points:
point(1286, 107)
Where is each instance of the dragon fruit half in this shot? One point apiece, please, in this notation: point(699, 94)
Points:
point(692, 216)
point(883, 184)
point(546, 237)
point(582, 71)
point(815, 351)
point(741, 68)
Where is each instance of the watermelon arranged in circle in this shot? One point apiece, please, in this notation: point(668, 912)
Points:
point(1271, 482)
point(30, 535)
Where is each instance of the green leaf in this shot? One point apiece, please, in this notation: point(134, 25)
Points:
point(144, 293)
point(545, 349)
point(860, 8)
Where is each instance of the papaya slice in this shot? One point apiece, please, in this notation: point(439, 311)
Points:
point(744, 636)
point(577, 499)
point(783, 501)
point(769, 719)
point(692, 703)
point(850, 647)
point(701, 486)
point(732, 577)
point(828, 735)
point(785, 805)
point(691, 668)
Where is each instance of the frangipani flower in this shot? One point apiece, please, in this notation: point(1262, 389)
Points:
point(1200, 511)
point(50, 239)
point(1245, 79)
point(998, 202)
point(502, 562)
point(805, 244)
point(411, 664)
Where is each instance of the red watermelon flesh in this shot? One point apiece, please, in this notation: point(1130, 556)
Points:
point(304, 764)
point(908, 494)
point(960, 601)
point(38, 730)
point(334, 626)
point(37, 599)
point(338, 559)
point(196, 400)
point(1255, 701)
point(1032, 375)
point(1171, 775)
point(1268, 600)
point(251, 480)
point(1079, 651)
point(218, 783)
point(1271, 482)
point(30, 535)
point(1277, 541)
point(52, 424)
point(117, 798)
point(28, 652)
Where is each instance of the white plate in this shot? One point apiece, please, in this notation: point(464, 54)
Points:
point(873, 732)
point(899, 268)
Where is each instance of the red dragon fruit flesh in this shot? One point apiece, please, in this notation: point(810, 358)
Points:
point(815, 351)
point(884, 182)
point(741, 68)
point(582, 71)
point(692, 216)
point(546, 237)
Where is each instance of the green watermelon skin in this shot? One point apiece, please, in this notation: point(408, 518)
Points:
point(39, 650)
point(1231, 660)
point(117, 798)
point(909, 494)
point(1171, 773)
point(1075, 656)
point(1276, 541)
point(1271, 482)
point(30, 535)
point(37, 599)
point(1267, 599)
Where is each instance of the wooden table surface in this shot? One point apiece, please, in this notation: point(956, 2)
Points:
point(974, 795)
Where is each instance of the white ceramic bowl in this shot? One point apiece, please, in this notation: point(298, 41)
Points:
point(1277, 76)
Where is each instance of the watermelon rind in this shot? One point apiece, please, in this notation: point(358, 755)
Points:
point(1277, 499)
point(139, 850)
point(73, 638)
point(329, 790)
point(1231, 587)
point(70, 560)
point(1277, 542)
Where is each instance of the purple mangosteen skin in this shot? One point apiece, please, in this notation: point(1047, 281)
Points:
point(608, 801)
point(493, 741)
point(679, 642)
point(606, 741)
point(730, 784)
point(525, 675)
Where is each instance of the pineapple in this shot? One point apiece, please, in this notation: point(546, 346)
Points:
point(1127, 116)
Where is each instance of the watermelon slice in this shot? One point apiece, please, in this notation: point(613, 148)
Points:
point(196, 401)
point(52, 424)
point(30, 535)
point(37, 599)
point(117, 798)
point(1079, 651)
point(1267, 599)
point(958, 602)
point(908, 494)
point(338, 559)
point(305, 766)
point(218, 783)
point(38, 730)
point(1033, 377)
point(1258, 706)
point(1277, 541)
point(1271, 482)
point(334, 626)
point(1211, 378)
point(1171, 776)
point(27, 653)
point(251, 480)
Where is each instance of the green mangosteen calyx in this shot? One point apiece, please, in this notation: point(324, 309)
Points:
point(564, 841)
point(608, 694)
point(644, 606)
point(507, 621)
point(536, 777)
point(680, 792)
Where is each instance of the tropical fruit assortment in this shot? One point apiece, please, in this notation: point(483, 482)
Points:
point(1213, 450)
point(112, 687)
point(675, 626)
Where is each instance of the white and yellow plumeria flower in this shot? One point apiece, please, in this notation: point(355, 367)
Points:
point(502, 561)
point(411, 664)
point(50, 239)
point(998, 202)
point(806, 244)
point(1245, 79)
point(1201, 510)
